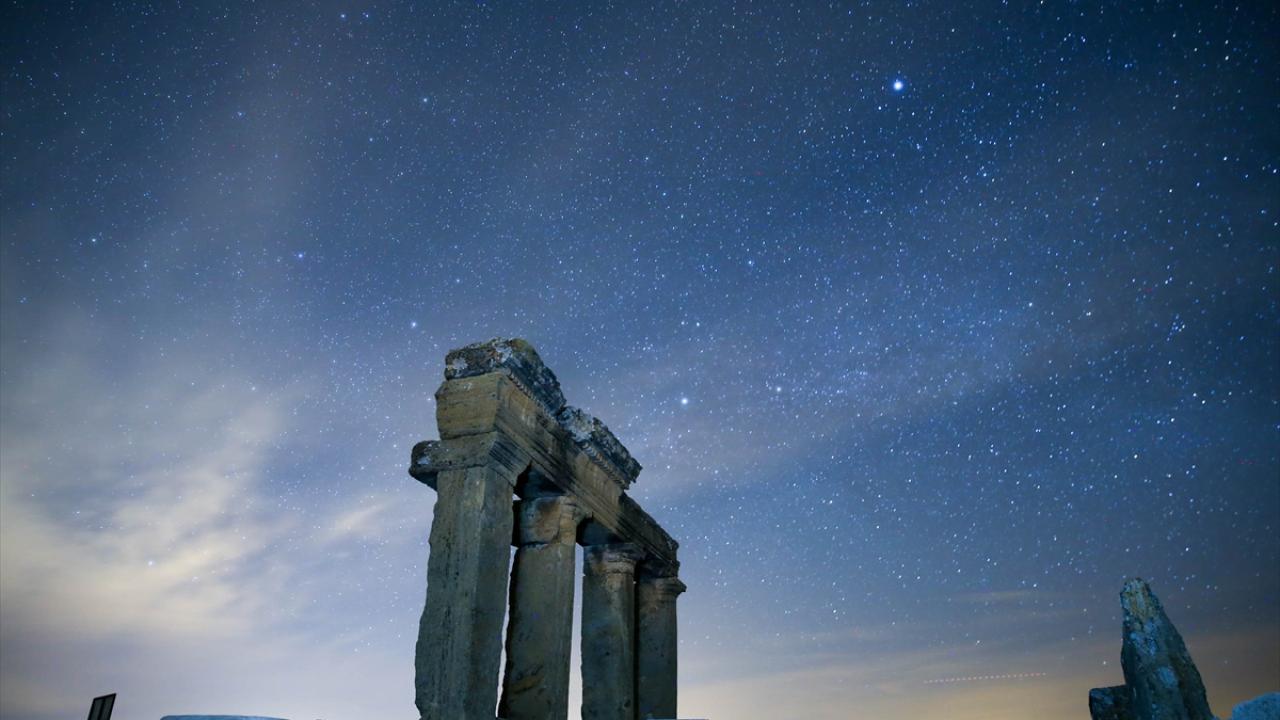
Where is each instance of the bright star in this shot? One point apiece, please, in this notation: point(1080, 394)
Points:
point(898, 85)
point(684, 401)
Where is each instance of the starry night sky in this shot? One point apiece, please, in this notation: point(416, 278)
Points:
point(930, 324)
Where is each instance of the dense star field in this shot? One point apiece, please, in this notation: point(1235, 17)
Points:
point(930, 324)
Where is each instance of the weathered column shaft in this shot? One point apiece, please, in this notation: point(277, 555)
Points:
point(540, 627)
point(656, 646)
point(460, 635)
point(608, 632)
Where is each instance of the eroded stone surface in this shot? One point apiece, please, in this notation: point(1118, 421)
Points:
point(608, 632)
point(1110, 703)
point(552, 519)
point(459, 645)
point(595, 438)
point(1263, 707)
point(656, 646)
point(490, 418)
point(518, 359)
point(540, 628)
point(514, 356)
point(1163, 681)
point(504, 428)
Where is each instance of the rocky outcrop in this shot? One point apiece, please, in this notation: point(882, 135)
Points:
point(1163, 681)
point(1263, 707)
point(1110, 703)
point(1160, 680)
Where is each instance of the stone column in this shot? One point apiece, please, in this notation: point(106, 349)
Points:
point(460, 635)
point(608, 632)
point(540, 627)
point(656, 646)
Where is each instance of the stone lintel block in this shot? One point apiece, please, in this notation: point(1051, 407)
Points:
point(514, 357)
point(545, 520)
point(596, 440)
point(1110, 703)
point(654, 568)
point(494, 403)
point(517, 360)
point(659, 561)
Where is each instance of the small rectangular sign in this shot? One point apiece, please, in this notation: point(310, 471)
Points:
point(101, 707)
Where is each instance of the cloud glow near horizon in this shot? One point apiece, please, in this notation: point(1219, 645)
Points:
point(918, 374)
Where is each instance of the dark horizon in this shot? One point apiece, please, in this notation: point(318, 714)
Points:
point(929, 325)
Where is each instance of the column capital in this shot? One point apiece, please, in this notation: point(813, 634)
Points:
point(549, 519)
point(429, 458)
point(612, 558)
point(664, 587)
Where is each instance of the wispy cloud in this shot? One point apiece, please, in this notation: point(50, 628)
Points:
point(144, 549)
point(173, 540)
point(130, 508)
point(366, 521)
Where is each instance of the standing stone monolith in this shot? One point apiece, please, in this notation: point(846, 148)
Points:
point(1160, 680)
point(1163, 680)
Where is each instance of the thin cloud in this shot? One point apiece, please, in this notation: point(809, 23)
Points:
point(142, 535)
point(123, 518)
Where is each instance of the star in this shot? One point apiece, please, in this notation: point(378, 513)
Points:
point(899, 86)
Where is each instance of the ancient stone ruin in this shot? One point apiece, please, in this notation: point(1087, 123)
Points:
point(506, 431)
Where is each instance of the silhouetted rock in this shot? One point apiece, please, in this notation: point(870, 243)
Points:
point(1110, 703)
point(1161, 681)
point(1164, 682)
point(1263, 707)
